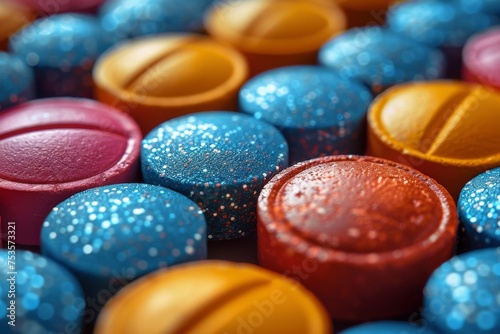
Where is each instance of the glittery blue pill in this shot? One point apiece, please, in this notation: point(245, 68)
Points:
point(62, 49)
point(381, 58)
point(111, 235)
point(133, 18)
point(463, 294)
point(221, 160)
point(486, 6)
point(36, 294)
point(388, 327)
point(16, 81)
point(479, 211)
point(318, 112)
point(444, 24)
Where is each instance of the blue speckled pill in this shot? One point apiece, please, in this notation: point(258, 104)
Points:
point(62, 49)
point(111, 235)
point(486, 6)
point(133, 18)
point(443, 24)
point(381, 58)
point(463, 294)
point(318, 112)
point(16, 81)
point(479, 211)
point(221, 160)
point(389, 327)
point(38, 295)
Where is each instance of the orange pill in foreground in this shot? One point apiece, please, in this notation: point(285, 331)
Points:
point(446, 129)
point(12, 17)
point(275, 33)
point(159, 78)
point(214, 297)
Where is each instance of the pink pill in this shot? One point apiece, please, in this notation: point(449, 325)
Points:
point(62, 6)
point(51, 149)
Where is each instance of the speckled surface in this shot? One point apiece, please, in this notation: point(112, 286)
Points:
point(110, 235)
point(221, 160)
point(380, 58)
point(479, 210)
point(62, 49)
point(389, 327)
point(462, 295)
point(133, 18)
point(48, 299)
point(16, 81)
point(318, 112)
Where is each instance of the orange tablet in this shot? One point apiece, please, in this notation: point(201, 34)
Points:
point(446, 129)
point(274, 33)
point(12, 17)
point(214, 297)
point(162, 77)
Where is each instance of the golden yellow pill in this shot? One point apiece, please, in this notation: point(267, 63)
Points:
point(214, 297)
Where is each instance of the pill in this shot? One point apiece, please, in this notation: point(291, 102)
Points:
point(111, 235)
point(389, 327)
point(478, 210)
point(461, 297)
point(158, 78)
point(38, 295)
point(381, 58)
point(16, 81)
point(221, 161)
point(48, 7)
point(446, 129)
point(62, 49)
point(133, 18)
point(363, 234)
point(269, 32)
point(443, 24)
point(365, 12)
point(223, 297)
point(13, 18)
point(481, 55)
point(53, 148)
point(318, 112)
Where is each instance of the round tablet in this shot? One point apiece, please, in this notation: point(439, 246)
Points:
point(461, 297)
point(365, 12)
point(481, 56)
point(16, 81)
point(380, 58)
point(363, 234)
point(51, 149)
point(38, 295)
point(446, 129)
point(111, 235)
point(318, 112)
point(13, 18)
point(221, 160)
point(158, 78)
point(48, 7)
point(214, 297)
point(132, 18)
point(443, 24)
point(389, 327)
point(479, 210)
point(275, 33)
point(62, 49)
point(486, 6)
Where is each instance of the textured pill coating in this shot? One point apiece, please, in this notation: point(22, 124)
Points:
point(158, 78)
point(461, 297)
point(230, 298)
point(220, 160)
point(108, 236)
point(318, 112)
point(446, 129)
point(38, 295)
point(53, 148)
point(16, 81)
point(268, 33)
point(356, 230)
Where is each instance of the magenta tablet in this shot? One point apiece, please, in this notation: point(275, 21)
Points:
point(51, 149)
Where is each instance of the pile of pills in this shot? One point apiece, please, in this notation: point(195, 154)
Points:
point(348, 150)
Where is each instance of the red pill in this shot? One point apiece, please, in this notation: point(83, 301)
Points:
point(363, 234)
point(482, 59)
point(51, 149)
